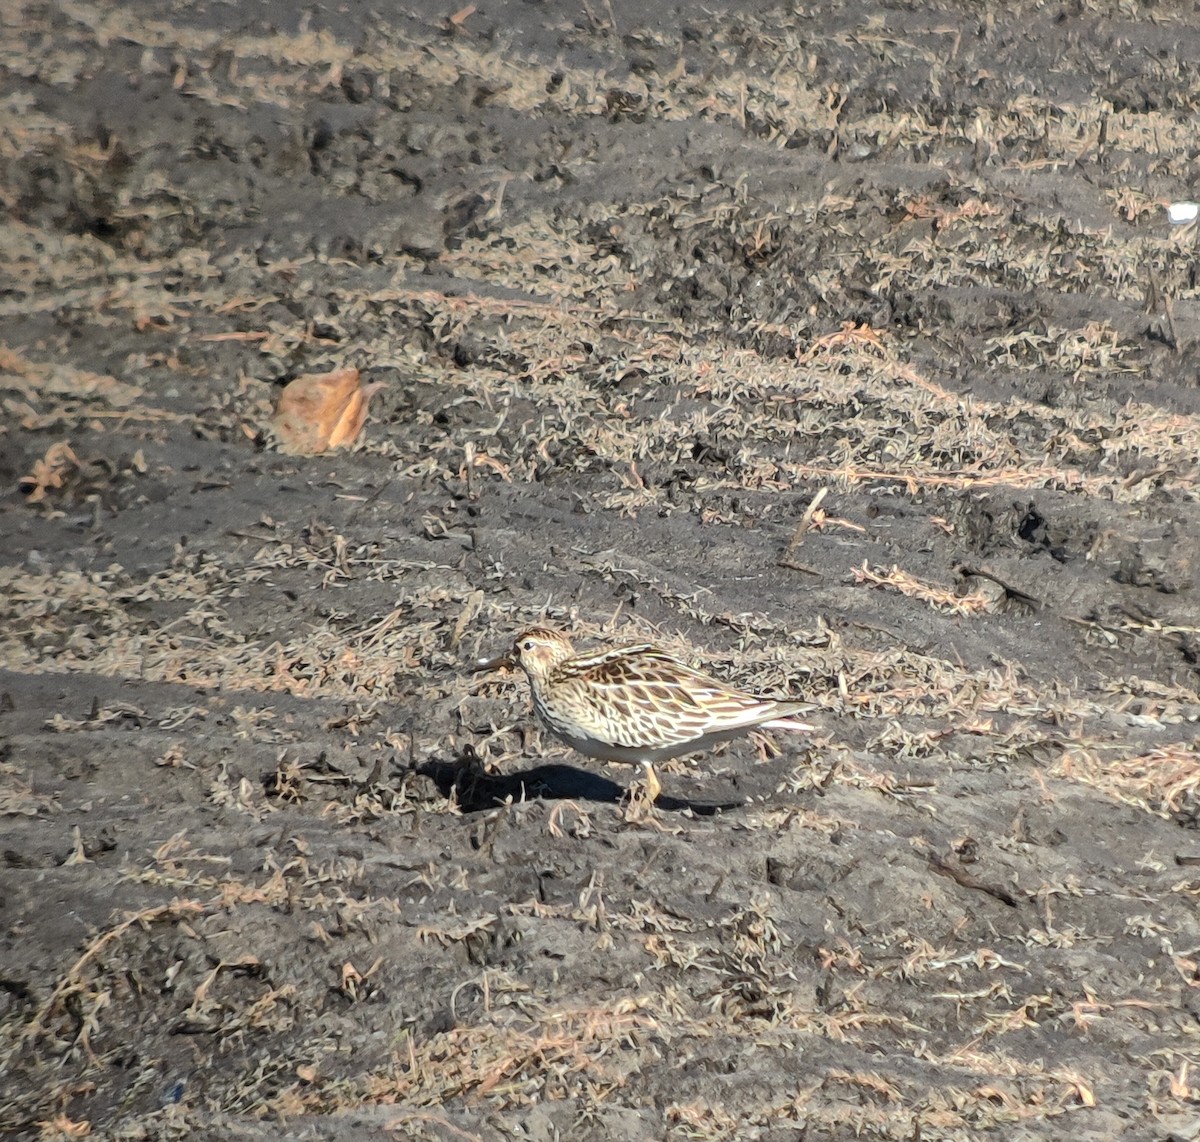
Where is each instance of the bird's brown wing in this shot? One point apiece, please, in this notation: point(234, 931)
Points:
point(644, 697)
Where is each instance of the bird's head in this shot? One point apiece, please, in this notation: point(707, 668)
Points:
point(536, 650)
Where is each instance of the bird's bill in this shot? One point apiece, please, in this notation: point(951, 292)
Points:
point(495, 663)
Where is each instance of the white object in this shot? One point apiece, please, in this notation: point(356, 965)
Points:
point(1181, 212)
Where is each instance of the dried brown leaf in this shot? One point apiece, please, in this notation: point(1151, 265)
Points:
point(318, 412)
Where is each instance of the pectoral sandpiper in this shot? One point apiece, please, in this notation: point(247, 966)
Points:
point(635, 704)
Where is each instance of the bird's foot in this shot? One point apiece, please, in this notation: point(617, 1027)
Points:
point(639, 802)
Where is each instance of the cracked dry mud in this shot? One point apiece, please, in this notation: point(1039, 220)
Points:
point(641, 283)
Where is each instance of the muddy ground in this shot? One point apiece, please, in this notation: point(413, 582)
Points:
point(848, 353)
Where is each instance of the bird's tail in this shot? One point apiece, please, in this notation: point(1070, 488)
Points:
point(786, 718)
point(785, 724)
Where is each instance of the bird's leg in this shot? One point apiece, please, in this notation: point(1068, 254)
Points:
point(653, 785)
point(643, 793)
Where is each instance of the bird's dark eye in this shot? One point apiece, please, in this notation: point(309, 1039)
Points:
point(527, 644)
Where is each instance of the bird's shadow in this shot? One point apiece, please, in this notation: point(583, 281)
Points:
point(475, 789)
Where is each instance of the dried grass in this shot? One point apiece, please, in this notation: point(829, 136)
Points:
point(599, 362)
